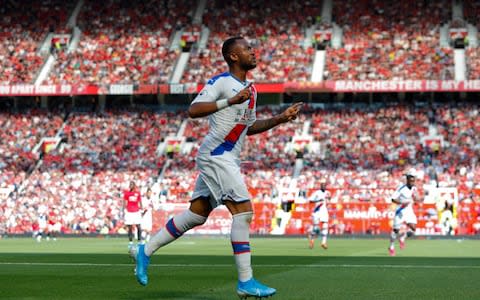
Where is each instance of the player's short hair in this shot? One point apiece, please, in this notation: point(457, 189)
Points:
point(227, 48)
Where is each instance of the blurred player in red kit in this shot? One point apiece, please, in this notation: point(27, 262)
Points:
point(133, 215)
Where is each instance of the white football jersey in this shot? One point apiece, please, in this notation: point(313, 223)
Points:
point(405, 195)
point(227, 127)
point(147, 203)
point(320, 198)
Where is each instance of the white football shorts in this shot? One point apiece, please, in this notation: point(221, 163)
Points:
point(147, 221)
point(405, 215)
point(320, 216)
point(220, 179)
point(133, 218)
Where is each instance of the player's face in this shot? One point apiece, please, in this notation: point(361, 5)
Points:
point(132, 186)
point(410, 180)
point(245, 54)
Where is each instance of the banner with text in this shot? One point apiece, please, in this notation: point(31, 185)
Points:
point(193, 88)
point(345, 218)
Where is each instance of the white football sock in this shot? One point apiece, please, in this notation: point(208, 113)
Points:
point(240, 238)
point(324, 233)
point(393, 237)
point(174, 229)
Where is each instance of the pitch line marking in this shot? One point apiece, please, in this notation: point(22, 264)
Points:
point(257, 266)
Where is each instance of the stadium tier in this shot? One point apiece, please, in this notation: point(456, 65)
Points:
point(94, 95)
point(91, 43)
point(77, 164)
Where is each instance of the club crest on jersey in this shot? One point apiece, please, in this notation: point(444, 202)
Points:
point(244, 116)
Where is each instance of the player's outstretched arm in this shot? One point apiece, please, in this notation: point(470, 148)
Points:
point(203, 109)
point(288, 115)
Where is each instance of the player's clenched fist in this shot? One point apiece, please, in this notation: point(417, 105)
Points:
point(242, 96)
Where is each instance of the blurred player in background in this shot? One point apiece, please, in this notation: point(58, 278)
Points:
point(319, 216)
point(133, 214)
point(42, 220)
point(229, 101)
point(404, 197)
point(447, 220)
point(54, 225)
point(147, 214)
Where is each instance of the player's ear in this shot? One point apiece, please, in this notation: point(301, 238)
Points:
point(233, 57)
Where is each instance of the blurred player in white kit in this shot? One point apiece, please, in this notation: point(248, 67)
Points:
point(404, 197)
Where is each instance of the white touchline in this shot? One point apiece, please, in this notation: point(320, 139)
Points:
point(256, 266)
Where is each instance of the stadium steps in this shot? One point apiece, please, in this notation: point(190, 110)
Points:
point(72, 20)
point(175, 44)
point(457, 10)
point(472, 35)
point(45, 47)
point(444, 36)
point(327, 8)
point(460, 64)
point(180, 67)
point(198, 16)
point(337, 36)
point(202, 44)
point(318, 65)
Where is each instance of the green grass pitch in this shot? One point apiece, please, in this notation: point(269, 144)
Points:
point(203, 268)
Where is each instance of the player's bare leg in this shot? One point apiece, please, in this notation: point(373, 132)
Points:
point(311, 237)
point(401, 239)
point(324, 234)
point(408, 233)
point(393, 237)
point(130, 239)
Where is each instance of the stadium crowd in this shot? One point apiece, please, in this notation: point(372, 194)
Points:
point(398, 39)
point(19, 135)
point(23, 26)
point(390, 40)
point(473, 59)
point(361, 154)
point(84, 177)
point(112, 51)
point(279, 31)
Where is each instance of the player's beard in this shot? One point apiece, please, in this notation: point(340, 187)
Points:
point(247, 66)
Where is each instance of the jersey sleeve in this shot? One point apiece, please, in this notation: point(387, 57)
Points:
point(209, 93)
point(313, 197)
point(395, 194)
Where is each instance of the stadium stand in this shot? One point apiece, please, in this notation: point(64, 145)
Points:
point(394, 40)
point(112, 51)
point(360, 149)
point(277, 31)
point(23, 27)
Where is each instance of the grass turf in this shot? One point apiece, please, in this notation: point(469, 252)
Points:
point(203, 268)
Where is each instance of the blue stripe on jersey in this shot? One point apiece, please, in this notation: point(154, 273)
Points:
point(225, 146)
point(399, 210)
point(402, 187)
point(215, 78)
point(240, 247)
point(172, 229)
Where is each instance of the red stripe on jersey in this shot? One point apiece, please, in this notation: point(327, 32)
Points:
point(235, 133)
point(253, 92)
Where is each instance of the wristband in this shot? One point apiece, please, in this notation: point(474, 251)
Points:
point(221, 104)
